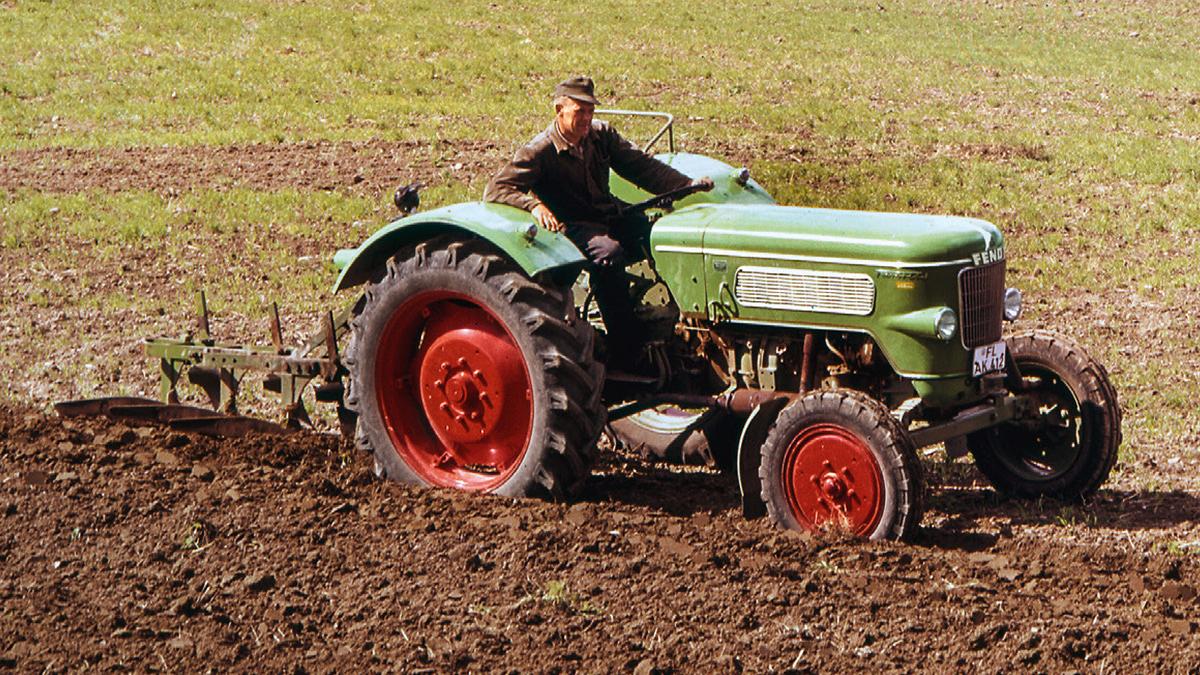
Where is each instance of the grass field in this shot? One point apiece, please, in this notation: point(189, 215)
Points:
point(1073, 126)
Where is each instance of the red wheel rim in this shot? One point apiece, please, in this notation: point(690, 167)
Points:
point(831, 478)
point(454, 391)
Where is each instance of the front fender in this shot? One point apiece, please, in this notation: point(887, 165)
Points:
point(505, 227)
point(754, 434)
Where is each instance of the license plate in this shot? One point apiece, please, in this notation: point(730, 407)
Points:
point(988, 359)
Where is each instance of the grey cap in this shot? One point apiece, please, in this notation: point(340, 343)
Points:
point(579, 88)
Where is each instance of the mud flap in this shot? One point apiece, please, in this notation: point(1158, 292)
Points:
point(750, 455)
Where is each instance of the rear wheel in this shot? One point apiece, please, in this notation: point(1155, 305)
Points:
point(1066, 446)
point(467, 374)
point(837, 460)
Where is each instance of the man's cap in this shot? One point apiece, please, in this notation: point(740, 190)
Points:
point(579, 88)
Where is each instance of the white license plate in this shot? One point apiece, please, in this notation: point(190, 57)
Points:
point(988, 359)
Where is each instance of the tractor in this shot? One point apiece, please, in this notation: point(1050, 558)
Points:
point(812, 351)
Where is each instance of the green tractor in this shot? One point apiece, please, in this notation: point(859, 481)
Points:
point(814, 351)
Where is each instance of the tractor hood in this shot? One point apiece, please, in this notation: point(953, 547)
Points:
point(886, 274)
point(777, 234)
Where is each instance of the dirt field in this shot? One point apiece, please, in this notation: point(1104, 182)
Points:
point(129, 549)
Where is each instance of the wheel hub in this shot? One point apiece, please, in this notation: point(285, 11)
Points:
point(833, 487)
point(460, 388)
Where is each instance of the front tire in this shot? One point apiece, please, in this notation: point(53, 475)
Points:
point(839, 460)
point(465, 373)
point(1067, 446)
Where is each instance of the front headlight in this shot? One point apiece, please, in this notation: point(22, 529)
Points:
point(946, 324)
point(1012, 304)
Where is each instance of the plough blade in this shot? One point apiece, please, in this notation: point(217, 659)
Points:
point(179, 417)
point(217, 369)
point(229, 425)
point(157, 412)
point(99, 407)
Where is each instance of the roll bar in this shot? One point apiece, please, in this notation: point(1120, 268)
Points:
point(667, 128)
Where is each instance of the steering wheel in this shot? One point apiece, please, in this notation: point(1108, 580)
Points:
point(665, 199)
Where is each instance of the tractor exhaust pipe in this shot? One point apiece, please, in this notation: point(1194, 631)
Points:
point(738, 402)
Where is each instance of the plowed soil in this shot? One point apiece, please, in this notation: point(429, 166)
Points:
point(137, 549)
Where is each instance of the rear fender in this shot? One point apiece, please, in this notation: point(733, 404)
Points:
point(505, 227)
point(754, 434)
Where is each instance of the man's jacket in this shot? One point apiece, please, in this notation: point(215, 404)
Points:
point(572, 181)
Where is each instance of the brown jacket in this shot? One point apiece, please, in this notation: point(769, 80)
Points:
point(572, 181)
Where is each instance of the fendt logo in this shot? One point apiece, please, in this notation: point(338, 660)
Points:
point(906, 275)
point(987, 257)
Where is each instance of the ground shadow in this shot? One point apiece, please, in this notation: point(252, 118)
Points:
point(964, 496)
point(962, 510)
point(1120, 510)
point(672, 488)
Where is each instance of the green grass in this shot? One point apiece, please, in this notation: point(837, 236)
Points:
point(1072, 126)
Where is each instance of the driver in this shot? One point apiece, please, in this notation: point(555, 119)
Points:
point(561, 177)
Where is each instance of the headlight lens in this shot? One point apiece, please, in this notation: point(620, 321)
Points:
point(1012, 304)
point(947, 324)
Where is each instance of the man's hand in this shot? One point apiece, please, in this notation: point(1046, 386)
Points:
point(705, 184)
point(546, 219)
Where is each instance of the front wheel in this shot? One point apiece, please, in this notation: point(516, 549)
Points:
point(838, 460)
point(465, 373)
point(1067, 444)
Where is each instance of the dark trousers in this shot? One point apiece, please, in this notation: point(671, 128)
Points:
point(610, 246)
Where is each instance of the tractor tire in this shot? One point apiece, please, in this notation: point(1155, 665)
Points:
point(466, 373)
point(1068, 446)
point(675, 435)
point(837, 460)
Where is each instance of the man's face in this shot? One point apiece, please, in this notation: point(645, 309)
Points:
point(575, 119)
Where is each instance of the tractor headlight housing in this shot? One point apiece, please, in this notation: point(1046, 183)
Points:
point(946, 324)
point(1012, 304)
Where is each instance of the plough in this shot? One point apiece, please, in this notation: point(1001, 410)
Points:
point(218, 369)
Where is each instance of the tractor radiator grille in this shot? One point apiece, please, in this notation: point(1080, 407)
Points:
point(981, 299)
point(803, 291)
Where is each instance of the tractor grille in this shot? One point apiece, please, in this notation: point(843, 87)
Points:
point(981, 300)
point(804, 291)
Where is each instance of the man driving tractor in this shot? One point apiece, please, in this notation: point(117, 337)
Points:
point(561, 177)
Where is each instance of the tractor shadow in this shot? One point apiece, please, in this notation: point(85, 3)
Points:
point(961, 505)
point(962, 511)
point(676, 489)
